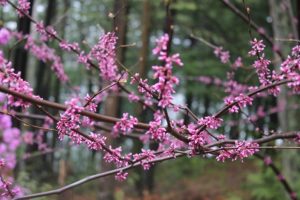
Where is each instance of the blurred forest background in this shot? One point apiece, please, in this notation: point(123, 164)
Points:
point(138, 23)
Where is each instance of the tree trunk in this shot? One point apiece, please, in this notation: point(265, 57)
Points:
point(281, 29)
point(112, 106)
point(21, 55)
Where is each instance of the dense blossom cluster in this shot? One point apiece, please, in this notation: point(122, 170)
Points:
point(47, 54)
point(69, 46)
point(223, 55)
point(126, 124)
point(23, 7)
point(241, 150)
point(9, 143)
point(196, 139)
point(238, 102)
point(257, 47)
point(3, 2)
point(45, 32)
point(164, 74)
point(104, 52)
point(14, 82)
point(70, 121)
point(265, 75)
point(210, 122)
point(4, 36)
point(146, 156)
point(156, 131)
point(291, 69)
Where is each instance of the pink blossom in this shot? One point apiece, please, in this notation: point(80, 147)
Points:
point(105, 54)
point(5, 121)
point(257, 47)
point(3, 2)
point(13, 81)
point(241, 150)
point(262, 70)
point(28, 137)
point(5, 36)
point(155, 131)
point(235, 103)
point(121, 176)
point(98, 143)
point(268, 160)
point(223, 55)
point(243, 100)
point(210, 122)
point(161, 44)
point(196, 139)
point(114, 157)
point(70, 120)
point(11, 137)
point(221, 137)
point(126, 124)
point(46, 32)
point(69, 46)
point(133, 98)
point(145, 156)
point(237, 63)
point(23, 7)
point(47, 54)
point(84, 59)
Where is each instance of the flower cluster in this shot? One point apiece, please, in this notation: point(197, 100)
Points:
point(69, 46)
point(121, 176)
point(3, 2)
point(156, 131)
point(241, 150)
point(196, 139)
point(23, 7)
point(98, 143)
point(105, 54)
point(9, 143)
point(257, 46)
point(126, 124)
point(290, 68)
point(45, 32)
point(238, 102)
point(70, 120)
point(15, 83)
point(210, 122)
point(4, 36)
point(145, 157)
point(47, 54)
point(223, 55)
point(237, 63)
point(164, 74)
point(91, 105)
point(262, 70)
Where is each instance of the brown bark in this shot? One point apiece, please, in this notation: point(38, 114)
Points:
point(281, 29)
point(43, 72)
point(112, 106)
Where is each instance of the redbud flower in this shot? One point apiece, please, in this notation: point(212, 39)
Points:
point(105, 54)
point(121, 176)
point(4, 36)
point(23, 6)
point(257, 47)
point(126, 124)
point(3, 2)
point(210, 122)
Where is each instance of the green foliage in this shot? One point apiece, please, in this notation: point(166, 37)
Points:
point(33, 185)
point(264, 185)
